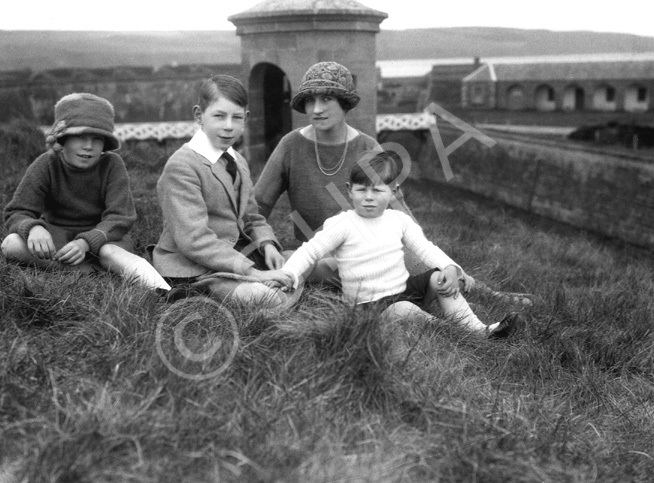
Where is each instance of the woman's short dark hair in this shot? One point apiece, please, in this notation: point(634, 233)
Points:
point(226, 86)
point(373, 168)
point(346, 103)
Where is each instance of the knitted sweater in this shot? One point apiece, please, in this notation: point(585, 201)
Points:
point(292, 168)
point(96, 202)
point(369, 253)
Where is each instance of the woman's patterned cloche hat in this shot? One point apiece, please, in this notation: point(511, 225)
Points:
point(81, 113)
point(327, 78)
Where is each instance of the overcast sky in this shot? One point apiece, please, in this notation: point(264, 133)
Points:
point(627, 16)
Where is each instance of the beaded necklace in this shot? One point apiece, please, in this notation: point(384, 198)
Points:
point(334, 169)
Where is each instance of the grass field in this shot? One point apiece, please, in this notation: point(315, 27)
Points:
point(94, 389)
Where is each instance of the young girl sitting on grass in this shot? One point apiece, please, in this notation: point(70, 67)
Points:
point(367, 243)
point(73, 207)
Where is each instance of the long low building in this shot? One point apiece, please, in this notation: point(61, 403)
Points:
point(596, 83)
point(592, 82)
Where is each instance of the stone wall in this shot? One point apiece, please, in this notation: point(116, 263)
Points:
point(139, 94)
point(609, 194)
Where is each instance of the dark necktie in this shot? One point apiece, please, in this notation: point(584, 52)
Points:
point(231, 165)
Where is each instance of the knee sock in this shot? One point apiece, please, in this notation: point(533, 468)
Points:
point(459, 310)
point(142, 272)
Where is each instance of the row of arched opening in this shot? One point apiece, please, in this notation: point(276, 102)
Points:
point(605, 97)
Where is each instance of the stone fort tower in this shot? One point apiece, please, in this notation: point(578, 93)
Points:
point(280, 40)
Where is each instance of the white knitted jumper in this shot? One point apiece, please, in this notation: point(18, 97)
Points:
point(369, 253)
point(370, 259)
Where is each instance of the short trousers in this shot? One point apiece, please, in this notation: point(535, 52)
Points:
point(416, 289)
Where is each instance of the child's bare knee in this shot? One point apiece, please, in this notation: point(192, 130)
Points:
point(433, 280)
point(110, 252)
point(13, 246)
point(404, 310)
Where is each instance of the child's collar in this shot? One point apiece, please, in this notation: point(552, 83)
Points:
point(200, 144)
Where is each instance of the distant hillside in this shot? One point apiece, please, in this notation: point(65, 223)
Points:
point(502, 42)
point(38, 50)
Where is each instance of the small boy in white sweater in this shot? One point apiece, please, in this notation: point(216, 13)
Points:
point(367, 244)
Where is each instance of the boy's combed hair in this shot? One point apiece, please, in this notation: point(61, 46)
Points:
point(374, 167)
point(222, 85)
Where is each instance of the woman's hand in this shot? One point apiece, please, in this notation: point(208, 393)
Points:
point(73, 253)
point(40, 243)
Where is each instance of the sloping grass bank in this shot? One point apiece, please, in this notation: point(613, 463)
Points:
point(93, 387)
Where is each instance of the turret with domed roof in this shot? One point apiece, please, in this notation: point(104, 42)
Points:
point(281, 39)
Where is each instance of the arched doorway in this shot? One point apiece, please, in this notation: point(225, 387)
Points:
point(604, 98)
point(270, 110)
point(573, 98)
point(515, 98)
point(545, 98)
point(636, 98)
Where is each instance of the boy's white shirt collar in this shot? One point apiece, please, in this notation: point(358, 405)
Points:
point(200, 144)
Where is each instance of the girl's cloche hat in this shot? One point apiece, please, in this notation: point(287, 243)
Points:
point(82, 113)
point(327, 78)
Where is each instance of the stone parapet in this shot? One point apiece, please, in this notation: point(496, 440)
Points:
point(608, 193)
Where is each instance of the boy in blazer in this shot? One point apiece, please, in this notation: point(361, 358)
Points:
point(213, 237)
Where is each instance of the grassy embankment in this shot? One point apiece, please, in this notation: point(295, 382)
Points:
point(311, 394)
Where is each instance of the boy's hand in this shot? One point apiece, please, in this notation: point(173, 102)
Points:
point(40, 243)
point(276, 284)
point(467, 282)
point(279, 277)
point(447, 282)
point(274, 259)
point(73, 253)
